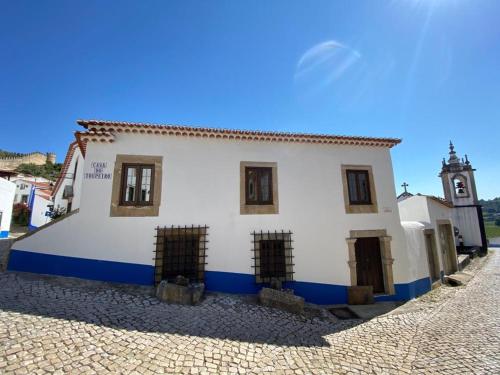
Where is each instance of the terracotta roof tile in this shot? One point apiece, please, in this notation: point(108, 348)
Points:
point(101, 131)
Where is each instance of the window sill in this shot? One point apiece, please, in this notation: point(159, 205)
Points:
point(361, 209)
point(134, 211)
point(259, 209)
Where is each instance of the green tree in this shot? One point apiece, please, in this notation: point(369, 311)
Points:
point(49, 171)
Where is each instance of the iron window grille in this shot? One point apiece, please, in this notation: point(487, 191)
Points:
point(180, 251)
point(358, 182)
point(272, 256)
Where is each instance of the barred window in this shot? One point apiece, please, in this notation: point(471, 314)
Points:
point(180, 251)
point(273, 256)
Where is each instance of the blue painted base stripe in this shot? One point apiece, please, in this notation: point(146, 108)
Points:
point(4, 234)
point(31, 227)
point(230, 282)
point(92, 269)
point(227, 282)
point(405, 292)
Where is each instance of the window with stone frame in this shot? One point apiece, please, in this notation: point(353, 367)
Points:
point(359, 186)
point(259, 188)
point(273, 257)
point(142, 196)
point(258, 185)
point(137, 185)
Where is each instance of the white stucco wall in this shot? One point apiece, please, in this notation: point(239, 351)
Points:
point(414, 208)
point(23, 187)
point(7, 192)
point(415, 244)
point(69, 180)
point(200, 185)
point(465, 218)
point(40, 207)
point(425, 210)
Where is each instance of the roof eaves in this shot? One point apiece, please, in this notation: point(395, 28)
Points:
point(96, 133)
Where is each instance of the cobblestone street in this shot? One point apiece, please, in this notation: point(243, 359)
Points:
point(61, 325)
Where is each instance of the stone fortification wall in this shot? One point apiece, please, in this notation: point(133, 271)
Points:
point(37, 158)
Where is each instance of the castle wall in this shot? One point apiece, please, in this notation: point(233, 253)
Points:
point(36, 158)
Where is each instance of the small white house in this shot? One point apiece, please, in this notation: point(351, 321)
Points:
point(232, 208)
point(7, 192)
point(24, 185)
point(40, 204)
point(66, 193)
point(428, 222)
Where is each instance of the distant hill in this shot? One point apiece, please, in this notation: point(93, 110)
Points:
point(491, 208)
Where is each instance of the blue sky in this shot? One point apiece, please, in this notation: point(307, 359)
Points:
point(426, 71)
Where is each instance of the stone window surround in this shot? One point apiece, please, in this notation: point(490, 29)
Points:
point(359, 208)
point(258, 209)
point(116, 210)
point(385, 255)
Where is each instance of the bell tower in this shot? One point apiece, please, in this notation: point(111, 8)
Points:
point(457, 176)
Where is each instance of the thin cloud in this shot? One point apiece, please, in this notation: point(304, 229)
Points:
point(336, 56)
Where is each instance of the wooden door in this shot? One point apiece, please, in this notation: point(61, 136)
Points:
point(432, 257)
point(446, 249)
point(369, 263)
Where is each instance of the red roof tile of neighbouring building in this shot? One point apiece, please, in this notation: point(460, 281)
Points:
point(65, 166)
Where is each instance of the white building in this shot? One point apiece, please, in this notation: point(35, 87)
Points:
point(433, 232)
point(25, 183)
point(317, 211)
point(36, 193)
point(7, 192)
point(40, 204)
point(66, 193)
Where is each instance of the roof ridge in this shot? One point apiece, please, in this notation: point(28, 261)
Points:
point(88, 124)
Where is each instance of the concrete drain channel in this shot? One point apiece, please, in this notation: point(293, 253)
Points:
point(343, 313)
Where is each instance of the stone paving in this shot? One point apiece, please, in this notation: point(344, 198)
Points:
point(58, 325)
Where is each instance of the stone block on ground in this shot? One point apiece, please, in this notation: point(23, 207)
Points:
point(457, 279)
point(276, 284)
point(360, 295)
point(463, 261)
point(281, 300)
point(181, 294)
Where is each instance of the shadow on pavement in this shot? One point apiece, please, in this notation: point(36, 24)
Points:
point(135, 309)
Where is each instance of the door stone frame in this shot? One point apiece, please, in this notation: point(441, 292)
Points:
point(385, 255)
point(435, 253)
point(451, 247)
